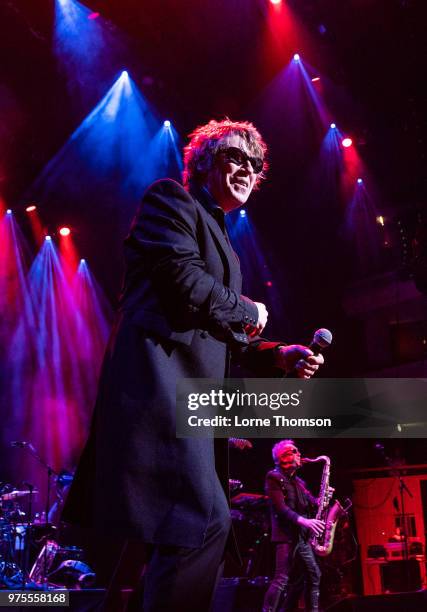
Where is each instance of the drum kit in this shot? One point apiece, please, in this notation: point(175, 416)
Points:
point(250, 516)
point(30, 555)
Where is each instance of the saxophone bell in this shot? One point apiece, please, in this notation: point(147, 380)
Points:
point(329, 514)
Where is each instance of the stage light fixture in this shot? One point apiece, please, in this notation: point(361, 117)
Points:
point(8, 212)
point(83, 261)
point(167, 123)
point(346, 142)
point(243, 213)
point(268, 283)
point(380, 220)
point(276, 1)
point(297, 57)
point(31, 208)
point(315, 79)
point(93, 15)
point(48, 238)
point(125, 74)
point(333, 126)
point(359, 181)
point(65, 231)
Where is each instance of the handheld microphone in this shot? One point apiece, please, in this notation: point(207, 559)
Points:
point(322, 339)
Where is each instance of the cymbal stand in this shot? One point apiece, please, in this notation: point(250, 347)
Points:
point(49, 472)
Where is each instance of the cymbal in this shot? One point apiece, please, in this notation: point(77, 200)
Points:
point(249, 500)
point(14, 494)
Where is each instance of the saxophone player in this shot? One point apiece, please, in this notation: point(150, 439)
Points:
point(291, 506)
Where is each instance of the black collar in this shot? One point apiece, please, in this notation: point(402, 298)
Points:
point(286, 473)
point(209, 203)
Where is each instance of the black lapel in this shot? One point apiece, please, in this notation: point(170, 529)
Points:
point(218, 235)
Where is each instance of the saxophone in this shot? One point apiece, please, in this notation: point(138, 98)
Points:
point(323, 544)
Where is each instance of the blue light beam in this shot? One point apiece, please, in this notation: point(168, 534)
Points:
point(87, 50)
point(107, 153)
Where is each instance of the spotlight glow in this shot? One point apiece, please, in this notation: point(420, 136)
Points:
point(48, 238)
point(297, 57)
point(315, 79)
point(125, 74)
point(243, 213)
point(65, 231)
point(346, 142)
point(83, 261)
point(31, 208)
point(167, 123)
point(333, 126)
point(380, 220)
point(275, 1)
point(8, 212)
point(359, 181)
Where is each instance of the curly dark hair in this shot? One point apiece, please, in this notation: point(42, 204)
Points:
point(206, 140)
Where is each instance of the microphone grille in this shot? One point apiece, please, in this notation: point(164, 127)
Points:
point(323, 337)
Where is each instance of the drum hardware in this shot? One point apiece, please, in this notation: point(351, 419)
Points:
point(28, 541)
point(44, 562)
point(73, 573)
point(49, 473)
point(63, 482)
point(250, 519)
point(245, 501)
point(11, 576)
point(53, 566)
point(12, 495)
point(64, 567)
point(234, 485)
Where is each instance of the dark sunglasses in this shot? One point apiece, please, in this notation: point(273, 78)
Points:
point(239, 157)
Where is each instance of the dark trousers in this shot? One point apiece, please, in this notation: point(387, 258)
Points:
point(178, 579)
point(287, 554)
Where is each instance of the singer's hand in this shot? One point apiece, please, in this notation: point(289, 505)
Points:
point(262, 320)
point(299, 359)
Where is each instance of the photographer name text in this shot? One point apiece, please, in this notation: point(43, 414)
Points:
point(276, 420)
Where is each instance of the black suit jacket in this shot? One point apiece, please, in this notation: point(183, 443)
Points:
point(181, 314)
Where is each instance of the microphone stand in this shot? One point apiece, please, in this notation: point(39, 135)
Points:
point(27, 540)
point(49, 472)
point(402, 488)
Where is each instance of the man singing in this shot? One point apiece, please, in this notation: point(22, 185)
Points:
point(181, 315)
point(291, 528)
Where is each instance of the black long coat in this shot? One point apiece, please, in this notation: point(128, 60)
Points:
point(181, 313)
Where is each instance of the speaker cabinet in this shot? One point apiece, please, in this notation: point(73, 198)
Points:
point(401, 576)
